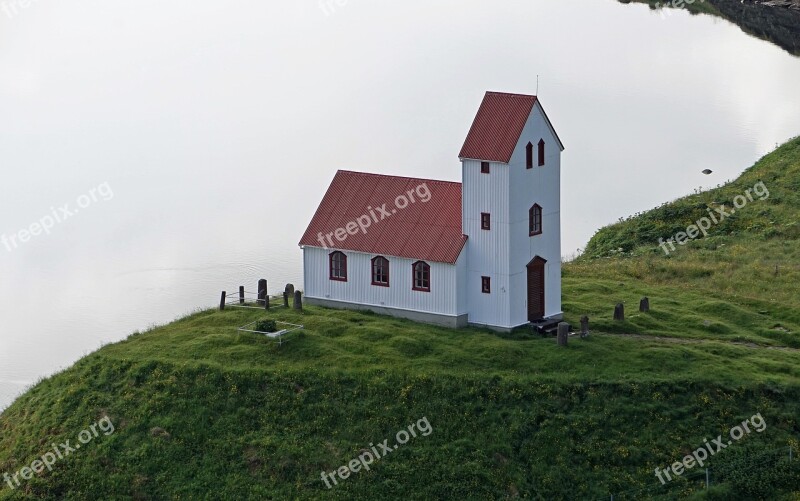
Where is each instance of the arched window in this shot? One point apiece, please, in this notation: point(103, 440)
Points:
point(529, 156)
point(421, 272)
point(535, 220)
point(541, 152)
point(380, 271)
point(338, 266)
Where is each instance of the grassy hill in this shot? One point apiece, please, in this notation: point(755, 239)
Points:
point(201, 411)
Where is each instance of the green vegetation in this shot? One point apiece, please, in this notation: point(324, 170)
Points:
point(741, 283)
point(266, 326)
point(203, 411)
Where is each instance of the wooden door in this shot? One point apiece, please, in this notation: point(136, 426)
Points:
point(536, 289)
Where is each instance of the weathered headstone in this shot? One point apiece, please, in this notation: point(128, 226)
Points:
point(584, 326)
point(266, 302)
point(563, 333)
point(619, 312)
point(644, 304)
point(289, 288)
point(262, 290)
point(285, 299)
point(298, 300)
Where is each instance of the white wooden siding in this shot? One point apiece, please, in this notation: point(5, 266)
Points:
point(502, 253)
point(442, 299)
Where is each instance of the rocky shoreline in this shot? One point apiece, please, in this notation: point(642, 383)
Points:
point(776, 21)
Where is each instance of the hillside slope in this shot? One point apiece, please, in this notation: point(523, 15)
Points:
point(741, 282)
point(201, 411)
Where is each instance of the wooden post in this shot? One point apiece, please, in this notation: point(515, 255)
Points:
point(584, 326)
point(241, 294)
point(285, 299)
point(644, 304)
point(262, 290)
point(222, 302)
point(266, 302)
point(563, 333)
point(298, 300)
point(619, 312)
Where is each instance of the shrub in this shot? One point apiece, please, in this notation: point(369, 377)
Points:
point(266, 326)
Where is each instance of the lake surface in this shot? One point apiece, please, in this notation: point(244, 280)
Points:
point(192, 141)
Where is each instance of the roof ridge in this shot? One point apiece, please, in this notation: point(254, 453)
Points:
point(511, 94)
point(396, 176)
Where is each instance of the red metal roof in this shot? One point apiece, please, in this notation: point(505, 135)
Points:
point(429, 231)
point(497, 127)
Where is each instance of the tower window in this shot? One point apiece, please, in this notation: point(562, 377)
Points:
point(535, 220)
point(529, 156)
point(541, 152)
point(380, 271)
point(484, 167)
point(338, 266)
point(486, 285)
point(421, 276)
point(486, 221)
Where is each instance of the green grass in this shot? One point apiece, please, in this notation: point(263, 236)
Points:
point(203, 411)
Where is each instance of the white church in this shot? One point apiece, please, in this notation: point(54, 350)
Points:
point(486, 251)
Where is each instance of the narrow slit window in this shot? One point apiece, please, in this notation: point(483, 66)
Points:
point(486, 285)
point(484, 167)
point(529, 156)
point(541, 152)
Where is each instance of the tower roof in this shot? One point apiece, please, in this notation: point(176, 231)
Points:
point(498, 126)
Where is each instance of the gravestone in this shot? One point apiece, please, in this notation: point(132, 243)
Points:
point(262, 290)
point(563, 333)
point(619, 312)
point(584, 326)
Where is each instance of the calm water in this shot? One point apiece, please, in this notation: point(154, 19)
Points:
point(191, 141)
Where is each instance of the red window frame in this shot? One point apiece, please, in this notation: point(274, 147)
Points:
point(541, 152)
point(529, 156)
point(486, 285)
point(486, 221)
point(341, 266)
point(535, 220)
point(420, 276)
point(484, 167)
point(380, 269)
